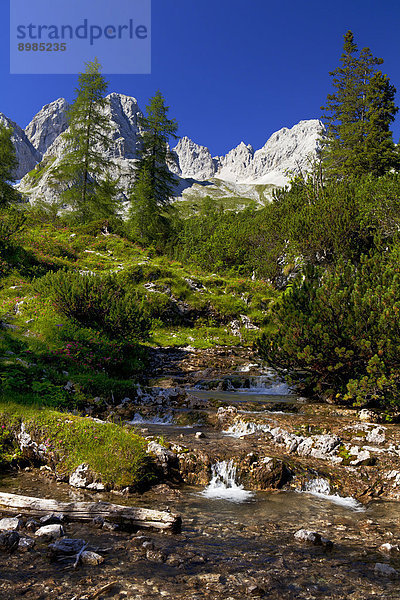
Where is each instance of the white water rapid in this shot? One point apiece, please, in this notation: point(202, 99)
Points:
point(223, 484)
point(321, 488)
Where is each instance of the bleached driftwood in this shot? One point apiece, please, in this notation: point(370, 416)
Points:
point(127, 516)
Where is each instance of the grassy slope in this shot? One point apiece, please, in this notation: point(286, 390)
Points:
point(187, 307)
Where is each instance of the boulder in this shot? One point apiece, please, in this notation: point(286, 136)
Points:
point(83, 477)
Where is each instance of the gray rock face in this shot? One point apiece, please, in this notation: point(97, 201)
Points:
point(27, 155)
point(47, 125)
point(192, 161)
point(124, 113)
point(237, 165)
point(286, 152)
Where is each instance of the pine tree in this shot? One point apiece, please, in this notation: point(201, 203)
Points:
point(149, 224)
point(154, 185)
point(88, 140)
point(8, 164)
point(156, 131)
point(359, 113)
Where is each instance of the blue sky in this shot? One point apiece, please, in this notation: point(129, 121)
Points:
point(231, 70)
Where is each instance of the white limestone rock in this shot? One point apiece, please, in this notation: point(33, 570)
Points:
point(49, 532)
point(237, 165)
point(82, 477)
point(189, 160)
point(287, 151)
point(376, 435)
point(124, 114)
point(47, 125)
point(27, 156)
point(10, 523)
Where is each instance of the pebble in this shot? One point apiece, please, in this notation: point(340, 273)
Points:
point(385, 570)
point(389, 548)
point(312, 537)
point(8, 524)
point(25, 544)
point(91, 558)
point(50, 532)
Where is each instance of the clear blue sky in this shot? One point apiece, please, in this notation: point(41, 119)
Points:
point(231, 70)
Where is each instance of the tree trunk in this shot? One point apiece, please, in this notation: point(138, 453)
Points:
point(126, 516)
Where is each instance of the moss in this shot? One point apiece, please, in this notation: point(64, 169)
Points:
point(115, 453)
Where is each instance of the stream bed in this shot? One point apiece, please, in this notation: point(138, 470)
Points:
point(237, 542)
point(227, 549)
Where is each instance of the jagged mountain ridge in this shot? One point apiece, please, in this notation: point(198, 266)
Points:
point(286, 151)
point(27, 155)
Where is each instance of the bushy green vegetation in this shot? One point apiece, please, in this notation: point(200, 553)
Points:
point(338, 331)
point(116, 454)
point(80, 306)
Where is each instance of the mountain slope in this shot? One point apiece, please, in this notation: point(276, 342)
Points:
point(242, 173)
point(27, 155)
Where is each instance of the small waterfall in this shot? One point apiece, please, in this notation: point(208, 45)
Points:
point(321, 488)
point(138, 419)
point(223, 483)
point(241, 428)
point(267, 384)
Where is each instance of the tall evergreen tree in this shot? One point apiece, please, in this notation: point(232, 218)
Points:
point(157, 129)
point(149, 224)
point(155, 184)
point(8, 164)
point(89, 141)
point(358, 116)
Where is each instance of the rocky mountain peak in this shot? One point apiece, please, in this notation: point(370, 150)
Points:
point(124, 112)
point(27, 155)
point(48, 124)
point(192, 161)
point(286, 151)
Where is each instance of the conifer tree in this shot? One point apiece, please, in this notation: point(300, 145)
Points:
point(88, 140)
point(157, 128)
point(154, 185)
point(358, 116)
point(149, 224)
point(8, 164)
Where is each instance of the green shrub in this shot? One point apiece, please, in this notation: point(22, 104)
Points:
point(98, 302)
point(339, 331)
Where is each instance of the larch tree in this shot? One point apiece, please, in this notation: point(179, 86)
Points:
point(358, 116)
point(81, 170)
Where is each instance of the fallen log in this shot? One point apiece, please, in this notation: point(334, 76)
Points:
point(125, 516)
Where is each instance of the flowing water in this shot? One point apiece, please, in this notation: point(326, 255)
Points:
point(223, 484)
point(230, 532)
